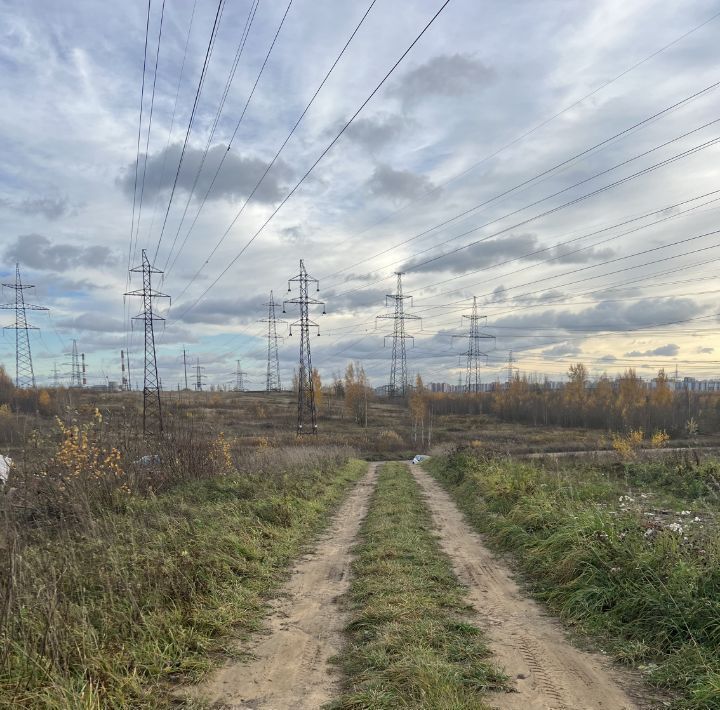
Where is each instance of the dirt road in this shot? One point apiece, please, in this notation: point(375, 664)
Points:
point(549, 673)
point(290, 666)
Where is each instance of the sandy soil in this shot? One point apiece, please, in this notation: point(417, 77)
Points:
point(549, 673)
point(290, 665)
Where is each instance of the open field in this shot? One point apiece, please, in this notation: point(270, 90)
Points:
point(127, 580)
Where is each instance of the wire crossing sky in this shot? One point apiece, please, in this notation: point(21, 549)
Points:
point(560, 162)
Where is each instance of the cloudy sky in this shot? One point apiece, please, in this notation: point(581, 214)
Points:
point(557, 160)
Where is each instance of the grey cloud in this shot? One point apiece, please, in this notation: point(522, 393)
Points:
point(50, 207)
point(236, 179)
point(706, 350)
point(219, 311)
point(96, 322)
point(568, 255)
point(445, 75)
point(38, 252)
point(391, 184)
point(376, 131)
point(561, 350)
point(670, 349)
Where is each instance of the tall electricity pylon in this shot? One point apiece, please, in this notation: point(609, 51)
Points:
point(307, 411)
point(24, 373)
point(152, 405)
point(398, 369)
point(75, 376)
point(474, 354)
point(198, 376)
point(511, 369)
point(272, 379)
point(239, 377)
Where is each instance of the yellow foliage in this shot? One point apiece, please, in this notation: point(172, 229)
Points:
point(627, 444)
point(659, 438)
point(220, 454)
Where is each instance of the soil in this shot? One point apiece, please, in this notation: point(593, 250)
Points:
point(548, 672)
point(289, 666)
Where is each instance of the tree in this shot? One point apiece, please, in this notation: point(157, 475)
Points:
point(317, 389)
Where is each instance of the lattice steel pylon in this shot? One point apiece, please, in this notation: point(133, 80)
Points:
point(152, 405)
point(239, 377)
point(474, 354)
point(75, 375)
point(307, 411)
point(272, 379)
point(24, 373)
point(398, 384)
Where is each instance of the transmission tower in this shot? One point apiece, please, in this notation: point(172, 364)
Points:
point(75, 376)
point(307, 412)
point(474, 354)
point(152, 406)
point(199, 376)
point(398, 369)
point(24, 373)
point(56, 377)
point(239, 377)
point(511, 369)
point(272, 379)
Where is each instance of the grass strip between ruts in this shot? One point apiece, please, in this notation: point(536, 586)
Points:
point(411, 644)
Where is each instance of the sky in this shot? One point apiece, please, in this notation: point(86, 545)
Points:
point(559, 161)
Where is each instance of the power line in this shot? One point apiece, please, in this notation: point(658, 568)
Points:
point(275, 157)
point(317, 161)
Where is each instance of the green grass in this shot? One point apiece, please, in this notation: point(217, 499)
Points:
point(605, 557)
point(156, 593)
point(410, 642)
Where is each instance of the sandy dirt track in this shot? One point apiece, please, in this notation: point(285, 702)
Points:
point(549, 673)
point(305, 628)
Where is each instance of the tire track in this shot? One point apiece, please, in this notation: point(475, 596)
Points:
point(549, 673)
point(290, 667)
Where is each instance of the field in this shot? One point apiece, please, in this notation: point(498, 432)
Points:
point(133, 569)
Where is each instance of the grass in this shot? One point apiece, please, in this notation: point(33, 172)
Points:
point(411, 645)
point(593, 543)
point(157, 591)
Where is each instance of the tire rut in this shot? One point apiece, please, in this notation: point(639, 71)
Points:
point(549, 673)
point(289, 667)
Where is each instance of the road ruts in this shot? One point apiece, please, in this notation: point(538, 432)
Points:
point(289, 668)
point(547, 671)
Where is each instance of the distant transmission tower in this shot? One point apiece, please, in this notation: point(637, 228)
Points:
point(75, 376)
point(199, 376)
point(56, 377)
point(239, 377)
point(24, 373)
point(307, 412)
point(152, 406)
point(474, 354)
point(272, 379)
point(510, 368)
point(398, 369)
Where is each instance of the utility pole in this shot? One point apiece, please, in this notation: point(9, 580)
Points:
point(272, 379)
point(24, 373)
point(198, 376)
point(307, 411)
point(185, 367)
point(152, 406)
point(56, 377)
point(473, 355)
point(398, 368)
point(124, 382)
point(84, 371)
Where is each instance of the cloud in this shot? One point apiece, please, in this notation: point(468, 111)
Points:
point(375, 132)
point(561, 350)
point(96, 322)
point(219, 311)
point(39, 252)
point(446, 75)
point(235, 181)
point(668, 350)
point(50, 207)
point(395, 185)
point(705, 350)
